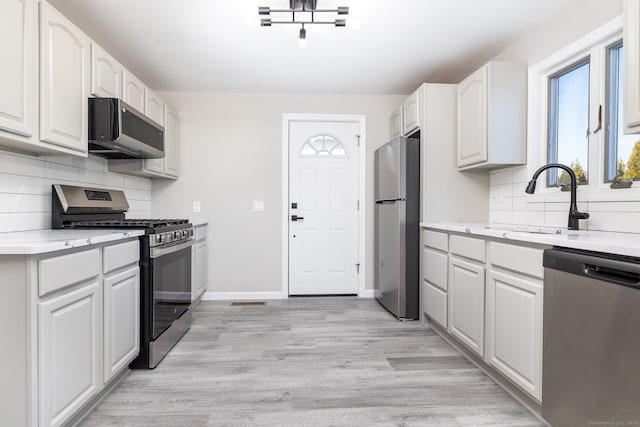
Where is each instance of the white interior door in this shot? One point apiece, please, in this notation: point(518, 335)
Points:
point(323, 207)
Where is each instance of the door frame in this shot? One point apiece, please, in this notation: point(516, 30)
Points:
point(361, 119)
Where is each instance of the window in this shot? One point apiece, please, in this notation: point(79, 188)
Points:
point(622, 152)
point(323, 146)
point(575, 118)
point(569, 123)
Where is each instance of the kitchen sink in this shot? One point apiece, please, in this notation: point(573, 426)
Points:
point(526, 229)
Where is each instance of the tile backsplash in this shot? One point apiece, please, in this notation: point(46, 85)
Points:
point(25, 187)
point(509, 204)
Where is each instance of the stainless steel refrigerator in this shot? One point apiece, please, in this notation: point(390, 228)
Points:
point(397, 234)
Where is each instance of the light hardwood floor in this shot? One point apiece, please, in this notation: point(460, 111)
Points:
point(309, 362)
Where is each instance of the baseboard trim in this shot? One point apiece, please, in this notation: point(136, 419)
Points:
point(367, 293)
point(243, 296)
point(226, 296)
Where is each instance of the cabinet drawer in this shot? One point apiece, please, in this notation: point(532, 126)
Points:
point(434, 302)
point(468, 247)
point(201, 233)
point(121, 255)
point(56, 273)
point(517, 258)
point(436, 240)
point(435, 266)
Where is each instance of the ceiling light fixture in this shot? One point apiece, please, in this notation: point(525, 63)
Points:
point(302, 12)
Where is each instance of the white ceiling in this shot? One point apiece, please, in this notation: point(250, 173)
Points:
point(388, 47)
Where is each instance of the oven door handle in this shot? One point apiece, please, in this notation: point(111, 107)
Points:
point(160, 251)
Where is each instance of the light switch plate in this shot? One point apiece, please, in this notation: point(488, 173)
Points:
point(196, 206)
point(258, 206)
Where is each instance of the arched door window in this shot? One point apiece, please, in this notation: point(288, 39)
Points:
point(323, 146)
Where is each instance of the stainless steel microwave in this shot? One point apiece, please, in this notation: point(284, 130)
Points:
point(118, 131)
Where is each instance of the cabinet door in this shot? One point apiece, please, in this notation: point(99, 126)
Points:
point(155, 111)
point(396, 123)
point(171, 143)
point(411, 114)
point(106, 74)
point(514, 329)
point(201, 268)
point(134, 91)
point(466, 303)
point(472, 118)
point(64, 72)
point(18, 79)
point(632, 66)
point(69, 352)
point(121, 320)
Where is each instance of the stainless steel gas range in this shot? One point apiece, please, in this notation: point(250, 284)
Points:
point(165, 262)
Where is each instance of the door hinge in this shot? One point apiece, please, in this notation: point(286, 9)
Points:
point(358, 205)
point(357, 268)
point(358, 136)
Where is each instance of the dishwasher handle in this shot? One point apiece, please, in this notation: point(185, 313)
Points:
point(613, 275)
point(620, 270)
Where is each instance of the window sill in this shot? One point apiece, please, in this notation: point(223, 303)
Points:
point(604, 194)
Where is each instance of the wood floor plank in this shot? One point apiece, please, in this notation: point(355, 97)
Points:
point(339, 361)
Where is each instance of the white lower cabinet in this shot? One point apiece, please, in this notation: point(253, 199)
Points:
point(199, 269)
point(71, 319)
point(490, 299)
point(514, 328)
point(466, 303)
point(121, 320)
point(69, 352)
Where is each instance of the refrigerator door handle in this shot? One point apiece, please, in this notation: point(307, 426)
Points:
point(388, 201)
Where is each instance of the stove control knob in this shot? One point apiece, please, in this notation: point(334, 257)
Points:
point(158, 238)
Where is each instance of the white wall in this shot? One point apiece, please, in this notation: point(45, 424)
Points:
point(231, 155)
point(25, 187)
point(508, 201)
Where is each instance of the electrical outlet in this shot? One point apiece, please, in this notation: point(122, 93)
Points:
point(258, 206)
point(196, 206)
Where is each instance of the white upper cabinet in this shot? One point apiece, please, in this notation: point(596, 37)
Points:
point(631, 66)
point(411, 113)
point(492, 118)
point(155, 111)
point(154, 107)
point(134, 91)
point(472, 119)
point(406, 119)
point(64, 79)
point(396, 123)
point(18, 73)
point(171, 143)
point(106, 74)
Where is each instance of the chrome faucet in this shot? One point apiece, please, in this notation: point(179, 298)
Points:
point(574, 215)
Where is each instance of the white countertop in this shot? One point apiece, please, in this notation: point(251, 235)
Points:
point(599, 241)
point(42, 241)
point(200, 222)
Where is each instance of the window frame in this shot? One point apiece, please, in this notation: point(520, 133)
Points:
point(594, 45)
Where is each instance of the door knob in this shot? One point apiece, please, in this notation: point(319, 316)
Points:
point(296, 218)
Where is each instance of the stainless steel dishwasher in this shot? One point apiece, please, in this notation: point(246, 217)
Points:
point(591, 339)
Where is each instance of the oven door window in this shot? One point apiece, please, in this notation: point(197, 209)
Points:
point(171, 278)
